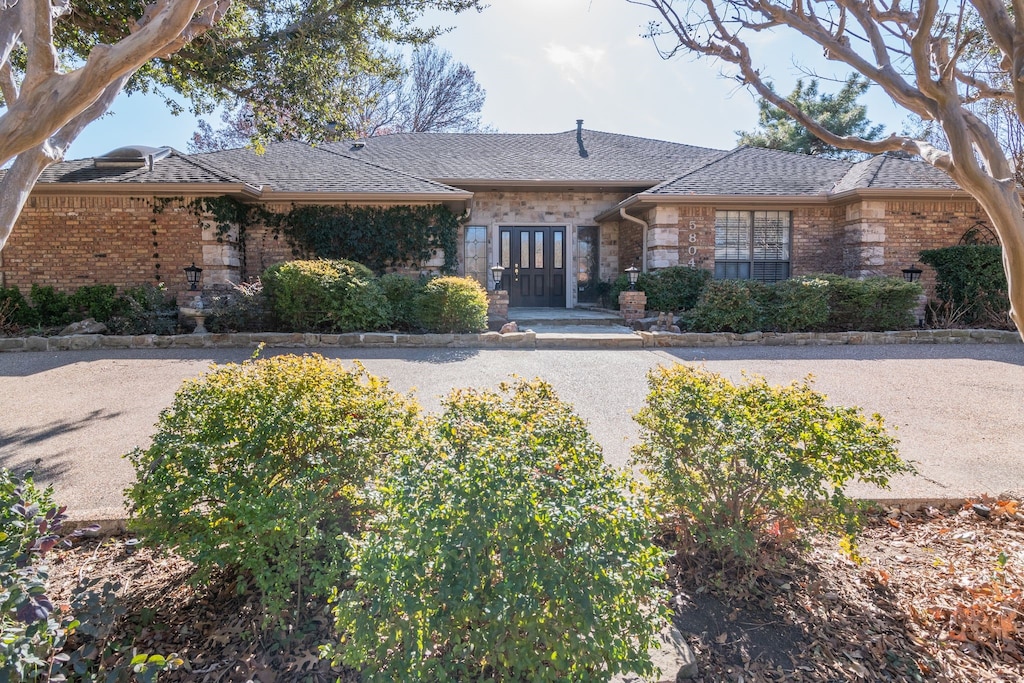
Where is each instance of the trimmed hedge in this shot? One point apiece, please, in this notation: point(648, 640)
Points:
point(452, 304)
point(816, 303)
point(875, 304)
point(402, 293)
point(325, 296)
point(728, 306)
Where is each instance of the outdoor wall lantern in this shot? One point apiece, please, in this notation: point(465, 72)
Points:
point(912, 274)
point(497, 271)
point(633, 273)
point(192, 275)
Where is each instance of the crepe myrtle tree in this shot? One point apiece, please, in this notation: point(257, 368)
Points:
point(63, 62)
point(917, 51)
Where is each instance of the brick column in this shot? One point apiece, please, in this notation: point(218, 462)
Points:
point(632, 306)
point(497, 304)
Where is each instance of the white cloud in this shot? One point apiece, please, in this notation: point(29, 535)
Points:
point(580, 64)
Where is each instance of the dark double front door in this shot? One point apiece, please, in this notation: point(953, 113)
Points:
point(535, 265)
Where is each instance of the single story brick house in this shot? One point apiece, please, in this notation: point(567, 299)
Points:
point(560, 211)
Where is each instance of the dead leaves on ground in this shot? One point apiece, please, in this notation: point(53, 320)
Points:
point(939, 596)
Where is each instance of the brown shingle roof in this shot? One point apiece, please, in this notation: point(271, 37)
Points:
point(552, 157)
point(431, 163)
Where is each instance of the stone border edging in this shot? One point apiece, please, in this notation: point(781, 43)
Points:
point(523, 340)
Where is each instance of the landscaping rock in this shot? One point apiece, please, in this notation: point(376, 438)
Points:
point(510, 328)
point(87, 326)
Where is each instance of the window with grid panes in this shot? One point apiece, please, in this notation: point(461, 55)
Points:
point(752, 245)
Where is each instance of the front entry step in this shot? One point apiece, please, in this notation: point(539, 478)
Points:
point(564, 317)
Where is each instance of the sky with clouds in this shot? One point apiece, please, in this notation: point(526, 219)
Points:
point(546, 63)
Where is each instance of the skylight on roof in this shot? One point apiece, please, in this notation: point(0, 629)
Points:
point(132, 156)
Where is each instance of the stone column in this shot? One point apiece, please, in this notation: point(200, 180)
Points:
point(222, 255)
point(864, 239)
point(632, 306)
point(663, 238)
point(497, 304)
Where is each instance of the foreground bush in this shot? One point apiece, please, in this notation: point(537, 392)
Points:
point(259, 467)
point(452, 304)
point(505, 550)
point(32, 632)
point(736, 464)
point(325, 296)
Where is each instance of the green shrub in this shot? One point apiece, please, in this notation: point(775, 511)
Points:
point(505, 550)
point(402, 293)
point(970, 280)
point(452, 304)
point(99, 302)
point(796, 305)
point(146, 309)
point(728, 306)
point(325, 296)
point(52, 308)
point(875, 304)
point(259, 467)
point(737, 464)
point(676, 288)
point(15, 309)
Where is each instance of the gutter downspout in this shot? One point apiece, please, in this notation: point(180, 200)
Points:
point(643, 228)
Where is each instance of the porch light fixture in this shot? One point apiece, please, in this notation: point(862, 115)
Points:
point(633, 273)
point(497, 271)
point(912, 274)
point(192, 275)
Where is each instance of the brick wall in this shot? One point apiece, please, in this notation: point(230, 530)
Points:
point(862, 238)
point(70, 241)
point(914, 226)
point(816, 236)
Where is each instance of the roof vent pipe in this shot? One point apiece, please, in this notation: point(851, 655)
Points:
point(579, 138)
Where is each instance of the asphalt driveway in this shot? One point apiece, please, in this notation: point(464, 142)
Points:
point(957, 410)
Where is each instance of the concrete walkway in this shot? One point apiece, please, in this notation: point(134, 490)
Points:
point(70, 415)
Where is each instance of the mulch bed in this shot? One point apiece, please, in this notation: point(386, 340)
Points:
point(938, 596)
